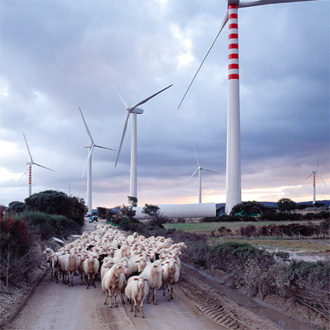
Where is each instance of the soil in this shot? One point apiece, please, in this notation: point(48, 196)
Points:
point(202, 300)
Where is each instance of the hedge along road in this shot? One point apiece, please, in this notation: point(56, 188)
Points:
point(57, 307)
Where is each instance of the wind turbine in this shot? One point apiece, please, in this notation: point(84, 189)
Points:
point(134, 110)
point(233, 158)
point(199, 170)
point(88, 163)
point(314, 173)
point(29, 167)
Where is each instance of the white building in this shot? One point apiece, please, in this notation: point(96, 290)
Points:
point(199, 210)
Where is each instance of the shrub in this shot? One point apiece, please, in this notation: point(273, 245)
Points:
point(248, 231)
point(58, 203)
point(15, 240)
point(46, 226)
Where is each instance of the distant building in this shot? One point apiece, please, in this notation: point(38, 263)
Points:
point(199, 210)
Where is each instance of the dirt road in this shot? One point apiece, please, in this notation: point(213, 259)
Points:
point(56, 307)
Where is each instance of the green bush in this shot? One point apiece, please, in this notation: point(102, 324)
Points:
point(46, 226)
point(57, 203)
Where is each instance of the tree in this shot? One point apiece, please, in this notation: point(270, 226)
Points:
point(151, 210)
point(3, 211)
point(101, 212)
point(16, 207)
point(286, 205)
point(250, 208)
point(132, 201)
point(57, 202)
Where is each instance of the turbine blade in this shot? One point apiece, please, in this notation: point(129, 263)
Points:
point(24, 173)
point(88, 132)
point(192, 175)
point(123, 101)
point(320, 178)
point(28, 148)
point(205, 169)
point(317, 162)
point(42, 166)
point(122, 136)
point(245, 4)
point(148, 98)
point(95, 145)
point(309, 176)
point(89, 155)
point(196, 156)
point(223, 23)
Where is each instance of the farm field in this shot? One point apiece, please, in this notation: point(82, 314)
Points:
point(299, 244)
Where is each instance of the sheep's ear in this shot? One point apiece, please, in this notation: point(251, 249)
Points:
point(135, 279)
point(146, 279)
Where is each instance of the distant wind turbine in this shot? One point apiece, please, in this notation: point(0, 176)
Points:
point(199, 170)
point(134, 110)
point(314, 173)
point(88, 163)
point(233, 158)
point(29, 167)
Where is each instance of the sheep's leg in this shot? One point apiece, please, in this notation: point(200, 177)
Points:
point(132, 304)
point(106, 297)
point(115, 298)
point(142, 309)
point(94, 280)
point(155, 296)
point(110, 298)
point(171, 291)
point(168, 291)
point(163, 289)
point(122, 298)
point(148, 297)
point(71, 278)
point(89, 280)
point(136, 307)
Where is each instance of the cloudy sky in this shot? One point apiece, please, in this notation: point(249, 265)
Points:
point(57, 56)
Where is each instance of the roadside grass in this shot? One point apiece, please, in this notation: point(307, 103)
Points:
point(208, 227)
point(291, 244)
point(311, 244)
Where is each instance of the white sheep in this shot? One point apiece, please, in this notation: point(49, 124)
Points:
point(91, 266)
point(136, 291)
point(50, 261)
point(154, 273)
point(171, 276)
point(69, 266)
point(114, 281)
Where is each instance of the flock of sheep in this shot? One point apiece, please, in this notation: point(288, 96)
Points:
point(132, 265)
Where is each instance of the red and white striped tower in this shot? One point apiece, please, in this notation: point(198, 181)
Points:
point(30, 179)
point(233, 170)
point(314, 189)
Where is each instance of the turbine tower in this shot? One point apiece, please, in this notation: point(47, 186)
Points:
point(88, 164)
point(134, 110)
point(199, 170)
point(314, 173)
point(29, 167)
point(233, 157)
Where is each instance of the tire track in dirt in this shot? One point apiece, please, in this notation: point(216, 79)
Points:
point(211, 306)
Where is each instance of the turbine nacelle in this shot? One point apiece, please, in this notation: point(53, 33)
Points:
point(138, 111)
point(233, 2)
